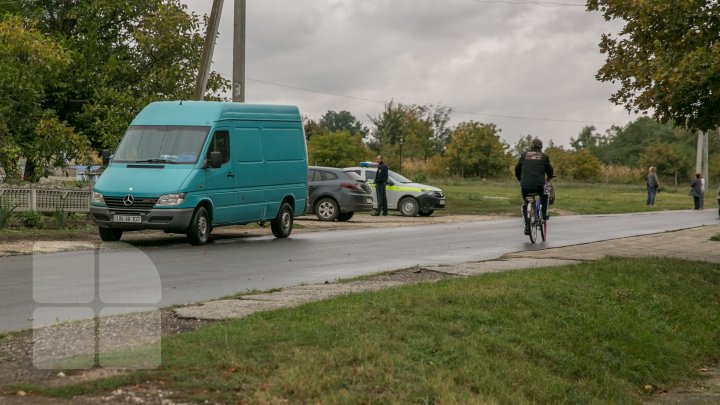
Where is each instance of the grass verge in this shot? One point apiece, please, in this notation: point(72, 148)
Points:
point(591, 333)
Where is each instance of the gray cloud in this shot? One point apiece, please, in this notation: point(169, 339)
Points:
point(505, 63)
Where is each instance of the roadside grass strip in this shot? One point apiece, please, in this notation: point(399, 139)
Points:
point(611, 331)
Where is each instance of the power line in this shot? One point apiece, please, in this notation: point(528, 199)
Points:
point(482, 114)
point(531, 2)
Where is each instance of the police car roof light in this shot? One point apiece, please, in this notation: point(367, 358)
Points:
point(368, 164)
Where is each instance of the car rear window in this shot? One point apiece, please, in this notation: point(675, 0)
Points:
point(353, 176)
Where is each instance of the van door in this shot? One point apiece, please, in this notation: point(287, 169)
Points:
point(221, 181)
point(251, 178)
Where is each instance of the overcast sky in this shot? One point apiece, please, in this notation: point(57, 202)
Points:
point(527, 66)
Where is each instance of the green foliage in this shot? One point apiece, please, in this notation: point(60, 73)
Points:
point(336, 149)
point(32, 219)
point(343, 120)
point(31, 65)
point(123, 56)
point(6, 212)
point(585, 166)
point(715, 238)
point(477, 150)
point(667, 159)
point(665, 58)
point(410, 131)
point(523, 144)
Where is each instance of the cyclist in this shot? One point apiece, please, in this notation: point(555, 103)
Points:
point(531, 170)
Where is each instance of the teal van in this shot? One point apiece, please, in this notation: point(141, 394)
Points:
point(189, 166)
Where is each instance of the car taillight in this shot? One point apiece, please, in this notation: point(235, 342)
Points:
point(352, 186)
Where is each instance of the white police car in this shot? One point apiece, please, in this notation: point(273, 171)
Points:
point(403, 194)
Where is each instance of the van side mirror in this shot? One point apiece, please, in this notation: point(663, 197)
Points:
point(390, 182)
point(215, 159)
point(105, 155)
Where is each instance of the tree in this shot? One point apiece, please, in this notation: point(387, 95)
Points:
point(665, 59)
point(668, 160)
point(523, 144)
point(584, 166)
point(561, 161)
point(124, 55)
point(343, 120)
point(29, 64)
point(477, 150)
point(336, 149)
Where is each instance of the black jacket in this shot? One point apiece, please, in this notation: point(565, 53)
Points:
point(382, 173)
point(532, 167)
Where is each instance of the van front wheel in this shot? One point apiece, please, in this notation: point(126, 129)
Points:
point(110, 234)
point(282, 225)
point(409, 207)
point(199, 231)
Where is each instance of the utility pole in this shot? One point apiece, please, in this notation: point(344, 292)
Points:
point(210, 37)
point(701, 157)
point(238, 85)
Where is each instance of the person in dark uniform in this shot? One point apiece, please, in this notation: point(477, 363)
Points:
point(381, 179)
point(531, 170)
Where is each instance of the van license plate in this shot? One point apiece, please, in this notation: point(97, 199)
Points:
point(442, 201)
point(127, 218)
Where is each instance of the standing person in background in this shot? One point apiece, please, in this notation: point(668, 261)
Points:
point(381, 179)
point(702, 191)
point(695, 190)
point(653, 185)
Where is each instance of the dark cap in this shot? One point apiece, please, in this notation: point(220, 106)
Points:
point(537, 143)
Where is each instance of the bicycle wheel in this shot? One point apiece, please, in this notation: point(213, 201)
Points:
point(543, 226)
point(534, 220)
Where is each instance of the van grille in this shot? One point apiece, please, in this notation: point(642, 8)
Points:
point(139, 204)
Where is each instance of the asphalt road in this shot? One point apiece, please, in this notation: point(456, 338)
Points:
point(122, 278)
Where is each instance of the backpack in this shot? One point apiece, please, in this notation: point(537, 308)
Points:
point(550, 192)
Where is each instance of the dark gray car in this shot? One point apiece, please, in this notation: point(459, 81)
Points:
point(335, 194)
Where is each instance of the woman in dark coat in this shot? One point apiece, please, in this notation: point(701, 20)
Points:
point(696, 190)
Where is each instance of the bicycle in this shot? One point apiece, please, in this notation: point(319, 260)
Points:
point(533, 207)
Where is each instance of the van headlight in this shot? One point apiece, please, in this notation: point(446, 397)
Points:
point(429, 192)
point(97, 198)
point(170, 200)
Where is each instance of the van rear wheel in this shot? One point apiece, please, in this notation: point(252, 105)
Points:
point(110, 234)
point(199, 231)
point(282, 224)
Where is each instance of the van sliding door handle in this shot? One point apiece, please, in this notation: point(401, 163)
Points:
point(230, 174)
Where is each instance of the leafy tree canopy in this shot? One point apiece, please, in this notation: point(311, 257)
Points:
point(343, 120)
point(124, 54)
point(477, 150)
point(29, 64)
point(336, 149)
point(666, 58)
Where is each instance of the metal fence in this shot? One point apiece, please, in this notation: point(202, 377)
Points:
point(45, 200)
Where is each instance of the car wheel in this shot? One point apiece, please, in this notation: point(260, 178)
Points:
point(425, 213)
point(409, 207)
point(327, 209)
point(110, 234)
point(199, 231)
point(345, 216)
point(282, 224)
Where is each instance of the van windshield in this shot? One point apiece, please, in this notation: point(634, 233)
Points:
point(161, 144)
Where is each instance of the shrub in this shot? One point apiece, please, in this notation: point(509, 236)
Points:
point(32, 219)
point(6, 212)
